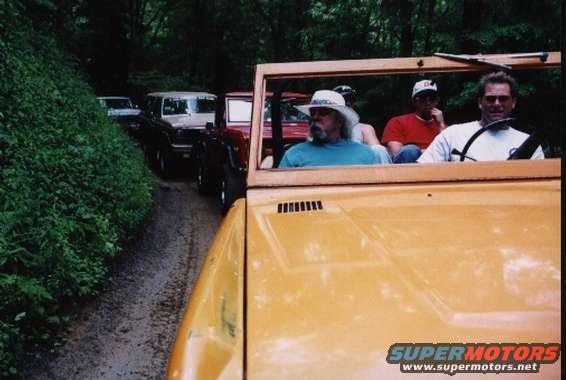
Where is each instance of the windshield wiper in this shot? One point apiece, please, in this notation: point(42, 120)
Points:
point(541, 54)
point(472, 59)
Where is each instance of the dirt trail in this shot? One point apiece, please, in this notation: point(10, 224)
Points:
point(128, 331)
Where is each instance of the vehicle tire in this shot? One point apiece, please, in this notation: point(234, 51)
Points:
point(149, 155)
point(231, 188)
point(165, 162)
point(203, 184)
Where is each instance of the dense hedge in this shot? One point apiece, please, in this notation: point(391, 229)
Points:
point(73, 188)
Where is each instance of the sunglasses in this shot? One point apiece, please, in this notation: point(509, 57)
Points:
point(321, 111)
point(493, 98)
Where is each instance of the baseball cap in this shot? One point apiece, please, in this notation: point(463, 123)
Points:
point(424, 85)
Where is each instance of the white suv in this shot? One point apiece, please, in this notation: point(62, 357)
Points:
point(171, 123)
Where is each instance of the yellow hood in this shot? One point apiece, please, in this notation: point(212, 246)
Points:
point(329, 290)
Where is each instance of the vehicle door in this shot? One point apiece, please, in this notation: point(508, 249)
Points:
point(238, 126)
point(212, 141)
point(145, 120)
point(153, 122)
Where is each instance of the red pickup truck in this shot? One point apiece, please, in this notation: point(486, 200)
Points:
point(223, 150)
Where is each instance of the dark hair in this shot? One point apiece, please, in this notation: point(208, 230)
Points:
point(347, 92)
point(497, 77)
point(344, 130)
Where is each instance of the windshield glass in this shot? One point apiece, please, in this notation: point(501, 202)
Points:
point(183, 106)
point(116, 103)
point(288, 111)
point(422, 119)
point(240, 110)
point(202, 105)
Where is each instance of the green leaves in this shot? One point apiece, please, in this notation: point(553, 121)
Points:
point(73, 188)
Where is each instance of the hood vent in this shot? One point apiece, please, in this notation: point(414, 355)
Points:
point(283, 208)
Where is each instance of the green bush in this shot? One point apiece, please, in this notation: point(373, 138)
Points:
point(73, 188)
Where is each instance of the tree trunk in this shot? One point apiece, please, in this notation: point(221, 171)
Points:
point(428, 49)
point(471, 21)
point(406, 42)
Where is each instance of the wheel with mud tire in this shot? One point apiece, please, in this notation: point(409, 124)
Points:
point(149, 155)
point(203, 184)
point(165, 162)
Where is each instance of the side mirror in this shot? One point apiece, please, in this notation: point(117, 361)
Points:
point(209, 125)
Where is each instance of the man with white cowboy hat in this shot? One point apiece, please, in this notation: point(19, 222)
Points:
point(406, 136)
point(329, 142)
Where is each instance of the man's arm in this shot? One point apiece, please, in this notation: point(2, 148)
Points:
point(394, 147)
point(368, 135)
point(437, 115)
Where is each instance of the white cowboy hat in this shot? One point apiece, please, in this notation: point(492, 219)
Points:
point(333, 100)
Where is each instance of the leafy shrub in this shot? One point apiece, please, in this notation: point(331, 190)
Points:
point(73, 188)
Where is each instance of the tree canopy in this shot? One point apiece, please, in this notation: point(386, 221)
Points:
point(134, 46)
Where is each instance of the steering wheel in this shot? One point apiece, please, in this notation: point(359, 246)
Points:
point(480, 131)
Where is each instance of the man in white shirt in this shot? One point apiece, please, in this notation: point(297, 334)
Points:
point(497, 100)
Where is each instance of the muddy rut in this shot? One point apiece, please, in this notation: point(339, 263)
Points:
point(128, 331)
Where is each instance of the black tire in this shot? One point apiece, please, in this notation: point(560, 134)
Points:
point(231, 188)
point(202, 180)
point(165, 162)
point(150, 156)
point(146, 154)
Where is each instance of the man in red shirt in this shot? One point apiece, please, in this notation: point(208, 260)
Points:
point(406, 136)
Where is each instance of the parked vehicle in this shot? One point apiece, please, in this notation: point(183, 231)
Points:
point(123, 110)
point(223, 150)
point(320, 271)
point(171, 123)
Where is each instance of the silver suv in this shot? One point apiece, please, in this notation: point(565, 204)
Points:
point(123, 110)
point(171, 123)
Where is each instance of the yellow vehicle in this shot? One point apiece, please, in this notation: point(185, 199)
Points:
point(319, 271)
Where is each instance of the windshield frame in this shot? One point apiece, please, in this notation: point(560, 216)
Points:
point(394, 173)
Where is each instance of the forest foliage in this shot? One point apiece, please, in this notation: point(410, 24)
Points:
point(137, 46)
point(215, 44)
point(74, 189)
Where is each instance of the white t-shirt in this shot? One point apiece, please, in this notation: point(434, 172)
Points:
point(379, 150)
point(492, 145)
point(357, 134)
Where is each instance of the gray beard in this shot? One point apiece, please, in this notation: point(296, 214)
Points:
point(318, 134)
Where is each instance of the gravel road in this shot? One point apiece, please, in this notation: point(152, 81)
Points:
point(128, 331)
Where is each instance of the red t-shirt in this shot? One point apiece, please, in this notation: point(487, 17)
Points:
point(409, 129)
